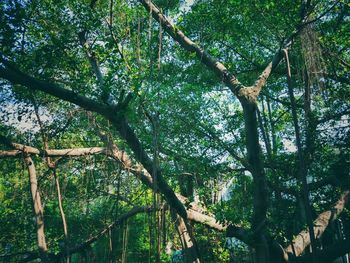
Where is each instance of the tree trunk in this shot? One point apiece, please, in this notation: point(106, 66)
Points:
point(191, 253)
point(259, 180)
point(188, 242)
point(38, 209)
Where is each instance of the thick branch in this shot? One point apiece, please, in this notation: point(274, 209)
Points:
point(19, 147)
point(109, 112)
point(213, 64)
point(195, 212)
point(329, 254)
point(302, 240)
point(38, 209)
point(14, 75)
point(251, 93)
point(54, 152)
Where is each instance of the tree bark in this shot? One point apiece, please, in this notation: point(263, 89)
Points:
point(184, 229)
point(195, 212)
point(113, 113)
point(259, 181)
point(76, 152)
point(189, 247)
point(302, 240)
point(38, 209)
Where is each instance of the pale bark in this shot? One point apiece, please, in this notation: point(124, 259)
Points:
point(189, 45)
point(184, 229)
point(189, 247)
point(38, 209)
point(10, 153)
point(76, 152)
point(19, 148)
point(302, 240)
point(63, 216)
point(195, 212)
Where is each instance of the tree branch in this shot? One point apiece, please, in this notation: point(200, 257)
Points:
point(329, 254)
point(111, 113)
point(14, 75)
point(213, 64)
point(195, 212)
point(302, 240)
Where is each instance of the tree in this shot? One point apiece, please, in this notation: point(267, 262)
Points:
point(178, 99)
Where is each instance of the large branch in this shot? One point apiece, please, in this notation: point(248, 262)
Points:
point(302, 240)
point(112, 113)
point(213, 64)
point(38, 209)
point(19, 147)
point(328, 254)
point(241, 91)
point(54, 152)
point(195, 212)
point(14, 75)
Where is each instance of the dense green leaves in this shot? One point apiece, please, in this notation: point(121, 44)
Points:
point(188, 122)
